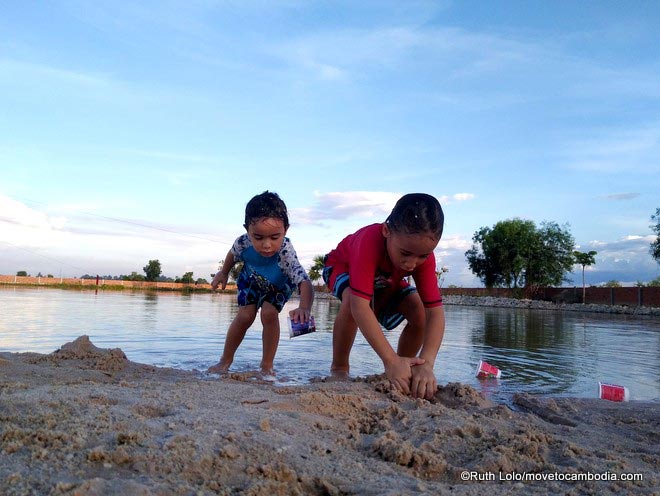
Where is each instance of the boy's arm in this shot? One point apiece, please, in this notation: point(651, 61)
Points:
point(433, 334)
point(424, 383)
point(397, 369)
point(304, 310)
point(222, 276)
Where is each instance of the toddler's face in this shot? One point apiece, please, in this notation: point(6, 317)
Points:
point(408, 251)
point(267, 235)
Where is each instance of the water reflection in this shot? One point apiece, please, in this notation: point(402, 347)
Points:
point(534, 346)
point(149, 314)
point(538, 351)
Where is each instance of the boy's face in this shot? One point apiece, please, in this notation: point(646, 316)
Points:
point(267, 235)
point(408, 251)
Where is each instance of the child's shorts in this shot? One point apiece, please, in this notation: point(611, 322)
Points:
point(254, 289)
point(388, 317)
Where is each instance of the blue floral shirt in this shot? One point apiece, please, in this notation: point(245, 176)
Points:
point(278, 269)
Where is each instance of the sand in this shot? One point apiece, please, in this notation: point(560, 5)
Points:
point(87, 421)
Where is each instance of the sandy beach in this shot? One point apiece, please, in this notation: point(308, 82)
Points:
point(87, 421)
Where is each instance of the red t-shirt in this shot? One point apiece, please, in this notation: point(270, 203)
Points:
point(363, 255)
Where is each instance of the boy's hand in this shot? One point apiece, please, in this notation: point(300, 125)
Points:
point(219, 279)
point(399, 372)
point(424, 383)
point(299, 315)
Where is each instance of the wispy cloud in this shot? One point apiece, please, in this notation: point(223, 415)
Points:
point(354, 53)
point(374, 205)
point(618, 150)
point(81, 239)
point(621, 196)
point(14, 70)
point(345, 205)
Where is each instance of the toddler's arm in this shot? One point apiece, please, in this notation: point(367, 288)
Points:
point(222, 276)
point(304, 310)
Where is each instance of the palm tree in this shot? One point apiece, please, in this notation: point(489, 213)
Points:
point(316, 270)
point(440, 275)
point(584, 259)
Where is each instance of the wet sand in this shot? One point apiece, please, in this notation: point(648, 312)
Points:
point(87, 421)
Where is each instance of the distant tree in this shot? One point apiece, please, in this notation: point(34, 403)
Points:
point(201, 280)
point(585, 260)
point(612, 284)
point(133, 277)
point(22, 273)
point(152, 270)
point(654, 282)
point(552, 257)
point(514, 253)
point(49, 276)
point(655, 245)
point(315, 272)
point(186, 278)
point(498, 254)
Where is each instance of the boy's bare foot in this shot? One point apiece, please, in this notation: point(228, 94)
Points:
point(219, 368)
point(339, 375)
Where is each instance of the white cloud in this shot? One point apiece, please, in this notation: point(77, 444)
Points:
point(626, 259)
point(21, 225)
point(344, 205)
point(89, 243)
point(375, 205)
point(457, 197)
point(454, 243)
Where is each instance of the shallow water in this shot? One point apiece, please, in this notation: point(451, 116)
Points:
point(544, 352)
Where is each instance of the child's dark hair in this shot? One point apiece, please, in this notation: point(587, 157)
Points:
point(267, 204)
point(416, 213)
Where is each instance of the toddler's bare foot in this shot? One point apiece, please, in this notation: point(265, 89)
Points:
point(219, 368)
point(268, 374)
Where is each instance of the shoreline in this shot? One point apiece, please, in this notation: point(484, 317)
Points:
point(85, 420)
point(491, 301)
point(499, 302)
point(487, 301)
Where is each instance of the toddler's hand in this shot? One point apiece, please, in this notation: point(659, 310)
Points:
point(299, 315)
point(219, 279)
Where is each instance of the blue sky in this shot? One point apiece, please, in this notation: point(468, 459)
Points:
point(132, 131)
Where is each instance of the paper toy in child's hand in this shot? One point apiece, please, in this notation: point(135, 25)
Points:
point(300, 328)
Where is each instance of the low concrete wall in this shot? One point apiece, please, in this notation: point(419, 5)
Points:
point(108, 283)
point(646, 296)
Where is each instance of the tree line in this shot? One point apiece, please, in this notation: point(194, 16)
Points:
point(516, 253)
point(513, 253)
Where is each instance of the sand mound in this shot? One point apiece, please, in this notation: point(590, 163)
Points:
point(82, 349)
point(69, 428)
